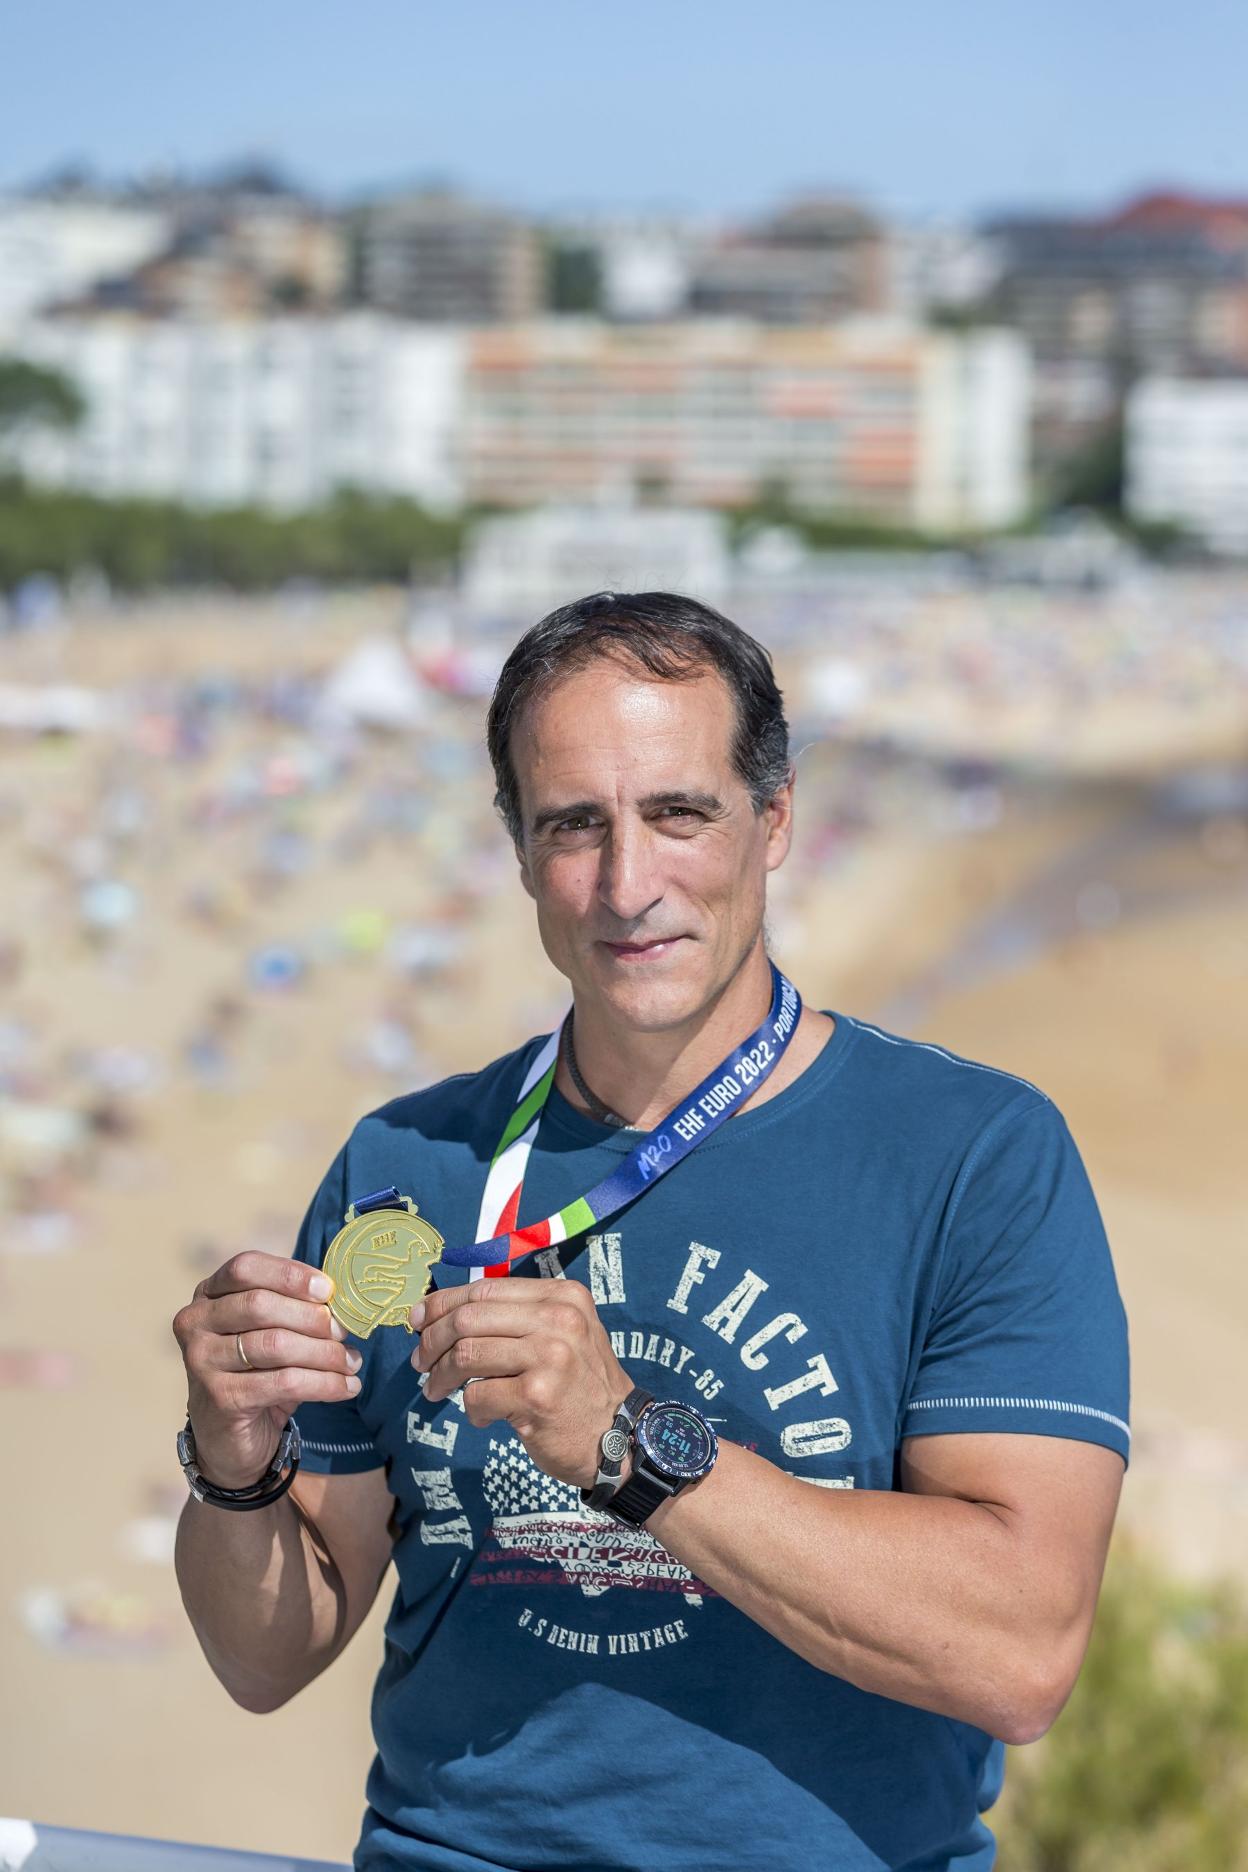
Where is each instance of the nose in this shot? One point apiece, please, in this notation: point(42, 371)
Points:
point(628, 880)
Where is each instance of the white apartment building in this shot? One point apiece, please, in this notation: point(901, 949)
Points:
point(869, 418)
point(523, 564)
point(974, 418)
point(52, 250)
point(1186, 451)
point(273, 412)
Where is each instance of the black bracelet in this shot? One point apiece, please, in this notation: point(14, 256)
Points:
point(613, 1449)
point(257, 1494)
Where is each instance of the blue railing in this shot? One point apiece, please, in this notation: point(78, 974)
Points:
point(26, 1846)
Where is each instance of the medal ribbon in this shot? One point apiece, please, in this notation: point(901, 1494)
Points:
point(500, 1243)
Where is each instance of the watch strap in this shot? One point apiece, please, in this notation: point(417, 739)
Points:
point(636, 1500)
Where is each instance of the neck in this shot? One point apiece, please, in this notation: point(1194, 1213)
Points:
point(643, 1075)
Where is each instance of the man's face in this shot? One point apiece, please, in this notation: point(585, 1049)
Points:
point(641, 847)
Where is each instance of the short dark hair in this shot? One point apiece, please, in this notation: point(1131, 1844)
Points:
point(673, 637)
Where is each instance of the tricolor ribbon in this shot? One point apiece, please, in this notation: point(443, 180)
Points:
point(500, 1243)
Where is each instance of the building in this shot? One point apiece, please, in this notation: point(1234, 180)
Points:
point(870, 419)
point(646, 266)
point(521, 565)
point(1187, 457)
point(53, 249)
point(277, 412)
point(643, 262)
point(193, 277)
point(439, 257)
point(297, 250)
point(813, 261)
point(1159, 287)
point(231, 251)
point(937, 269)
point(244, 266)
point(241, 247)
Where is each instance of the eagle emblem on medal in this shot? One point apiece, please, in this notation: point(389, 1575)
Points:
point(381, 1262)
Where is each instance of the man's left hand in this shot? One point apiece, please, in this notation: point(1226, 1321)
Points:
point(540, 1359)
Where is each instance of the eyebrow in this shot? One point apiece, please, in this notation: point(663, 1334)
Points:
point(677, 796)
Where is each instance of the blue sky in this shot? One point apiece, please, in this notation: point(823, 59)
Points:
point(938, 108)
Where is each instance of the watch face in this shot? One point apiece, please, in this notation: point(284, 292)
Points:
point(678, 1442)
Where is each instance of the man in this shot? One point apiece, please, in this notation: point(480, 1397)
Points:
point(878, 1276)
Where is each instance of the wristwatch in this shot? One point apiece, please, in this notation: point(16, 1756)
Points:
point(613, 1448)
point(673, 1446)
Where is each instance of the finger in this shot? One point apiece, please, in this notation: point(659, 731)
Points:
point(491, 1401)
point(259, 1306)
point(481, 1358)
point(466, 1322)
point(442, 1301)
point(271, 1348)
point(287, 1386)
point(277, 1274)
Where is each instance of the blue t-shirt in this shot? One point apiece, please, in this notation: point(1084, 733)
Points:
point(900, 1243)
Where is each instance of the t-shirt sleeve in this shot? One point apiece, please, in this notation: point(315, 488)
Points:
point(1027, 1332)
point(334, 1438)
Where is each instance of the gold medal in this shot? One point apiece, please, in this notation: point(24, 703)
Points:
point(380, 1263)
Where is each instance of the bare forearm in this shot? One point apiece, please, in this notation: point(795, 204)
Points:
point(916, 1597)
point(263, 1596)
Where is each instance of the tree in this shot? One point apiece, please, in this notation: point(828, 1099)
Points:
point(1147, 1767)
point(1093, 476)
point(573, 277)
point(34, 398)
point(289, 293)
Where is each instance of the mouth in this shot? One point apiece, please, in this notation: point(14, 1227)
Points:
point(634, 952)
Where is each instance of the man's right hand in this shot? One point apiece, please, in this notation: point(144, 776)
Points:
point(295, 1348)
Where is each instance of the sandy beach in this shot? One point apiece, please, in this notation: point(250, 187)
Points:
point(229, 931)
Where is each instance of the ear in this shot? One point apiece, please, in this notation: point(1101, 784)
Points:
point(778, 814)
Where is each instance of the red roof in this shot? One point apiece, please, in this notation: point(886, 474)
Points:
point(1223, 221)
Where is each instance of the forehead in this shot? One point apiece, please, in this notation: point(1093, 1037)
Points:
point(613, 718)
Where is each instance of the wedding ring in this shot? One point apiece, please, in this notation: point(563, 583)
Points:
point(247, 1364)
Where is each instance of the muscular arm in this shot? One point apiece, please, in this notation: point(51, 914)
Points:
point(971, 1593)
point(277, 1593)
